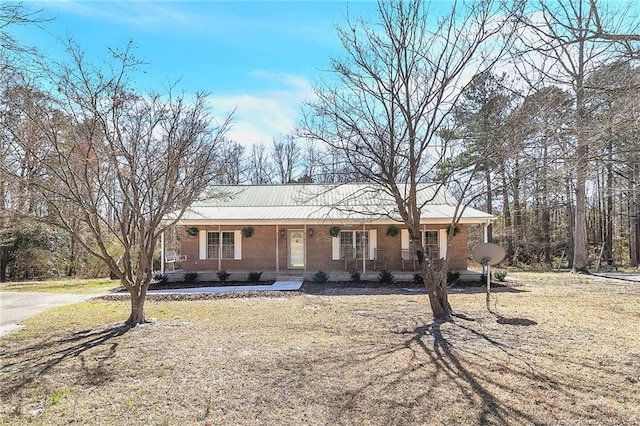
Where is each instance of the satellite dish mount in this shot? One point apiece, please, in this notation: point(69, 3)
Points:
point(488, 254)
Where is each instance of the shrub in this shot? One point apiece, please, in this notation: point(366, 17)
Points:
point(190, 277)
point(223, 275)
point(453, 276)
point(160, 278)
point(500, 274)
point(320, 277)
point(417, 279)
point(355, 277)
point(385, 277)
point(254, 277)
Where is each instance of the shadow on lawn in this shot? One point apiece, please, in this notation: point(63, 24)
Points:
point(23, 366)
point(373, 288)
point(515, 321)
point(446, 360)
point(459, 361)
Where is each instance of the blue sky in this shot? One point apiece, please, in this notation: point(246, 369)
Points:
point(261, 57)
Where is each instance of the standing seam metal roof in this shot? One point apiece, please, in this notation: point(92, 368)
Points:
point(317, 201)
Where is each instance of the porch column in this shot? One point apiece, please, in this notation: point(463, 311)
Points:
point(277, 249)
point(365, 250)
point(161, 253)
point(219, 248)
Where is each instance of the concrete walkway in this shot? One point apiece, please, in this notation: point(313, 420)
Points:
point(18, 305)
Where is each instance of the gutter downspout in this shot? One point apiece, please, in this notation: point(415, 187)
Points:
point(486, 231)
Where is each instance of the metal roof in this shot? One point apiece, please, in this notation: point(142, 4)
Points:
point(313, 203)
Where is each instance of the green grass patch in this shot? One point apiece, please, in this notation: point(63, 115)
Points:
point(71, 286)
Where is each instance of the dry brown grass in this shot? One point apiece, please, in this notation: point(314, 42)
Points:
point(72, 286)
point(563, 349)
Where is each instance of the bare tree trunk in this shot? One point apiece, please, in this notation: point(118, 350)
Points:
point(3, 267)
point(517, 210)
point(436, 283)
point(571, 220)
point(546, 216)
point(137, 316)
point(634, 216)
point(582, 166)
point(609, 202)
point(508, 223)
point(580, 228)
point(489, 205)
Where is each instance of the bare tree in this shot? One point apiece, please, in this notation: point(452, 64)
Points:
point(15, 59)
point(286, 156)
point(119, 161)
point(260, 168)
point(560, 44)
point(230, 163)
point(393, 92)
point(311, 162)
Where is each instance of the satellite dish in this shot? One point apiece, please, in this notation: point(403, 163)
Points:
point(488, 252)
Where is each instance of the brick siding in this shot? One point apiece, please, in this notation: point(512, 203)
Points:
point(259, 250)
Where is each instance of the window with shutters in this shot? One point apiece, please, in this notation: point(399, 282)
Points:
point(430, 243)
point(431, 246)
point(217, 249)
point(353, 244)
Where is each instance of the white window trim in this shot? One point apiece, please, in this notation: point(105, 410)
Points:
point(373, 243)
point(442, 238)
point(237, 245)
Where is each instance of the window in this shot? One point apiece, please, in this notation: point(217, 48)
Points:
point(353, 244)
point(217, 251)
point(431, 246)
point(430, 242)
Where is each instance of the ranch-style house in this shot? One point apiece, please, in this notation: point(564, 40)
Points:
point(303, 228)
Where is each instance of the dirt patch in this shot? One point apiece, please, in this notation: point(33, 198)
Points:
point(561, 349)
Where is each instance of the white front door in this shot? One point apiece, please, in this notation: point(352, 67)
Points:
point(296, 249)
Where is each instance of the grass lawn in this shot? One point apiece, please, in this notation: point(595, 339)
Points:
point(71, 286)
point(563, 350)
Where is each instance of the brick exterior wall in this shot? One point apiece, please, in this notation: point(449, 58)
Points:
point(259, 251)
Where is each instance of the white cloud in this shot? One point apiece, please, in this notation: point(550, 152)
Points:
point(262, 115)
point(155, 16)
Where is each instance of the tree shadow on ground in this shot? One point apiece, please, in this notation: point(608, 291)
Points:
point(374, 288)
point(484, 371)
point(23, 366)
point(447, 360)
point(515, 321)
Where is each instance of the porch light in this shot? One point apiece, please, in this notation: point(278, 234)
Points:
point(311, 232)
